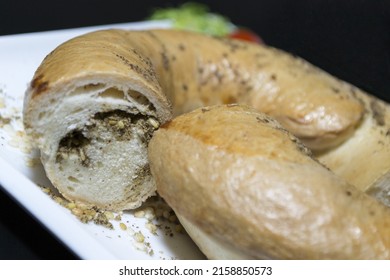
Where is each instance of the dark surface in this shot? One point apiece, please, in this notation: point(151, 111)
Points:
point(22, 237)
point(349, 39)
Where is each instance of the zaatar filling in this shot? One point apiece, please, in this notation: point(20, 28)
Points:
point(104, 128)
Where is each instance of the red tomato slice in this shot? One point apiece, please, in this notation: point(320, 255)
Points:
point(246, 35)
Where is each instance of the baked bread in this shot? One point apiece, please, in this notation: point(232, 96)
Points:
point(94, 102)
point(91, 109)
point(244, 187)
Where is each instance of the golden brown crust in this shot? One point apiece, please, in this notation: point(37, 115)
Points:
point(250, 185)
point(99, 55)
point(319, 109)
point(252, 175)
point(194, 70)
point(215, 130)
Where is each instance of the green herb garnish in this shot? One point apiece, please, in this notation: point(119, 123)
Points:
point(195, 17)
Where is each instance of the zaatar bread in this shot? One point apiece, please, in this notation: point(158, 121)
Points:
point(91, 109)
point(94, 102)
point(244, 187)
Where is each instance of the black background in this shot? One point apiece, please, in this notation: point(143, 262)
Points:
point(348, 38)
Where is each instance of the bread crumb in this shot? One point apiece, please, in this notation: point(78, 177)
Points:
point(151, 227)
point(18, 139)
point(154, 122)
point(2, 103)
point(71, 205)
point(140, 243)
point(130, 231)
point(11, 122)
point(149, 213)
point(159, 216)
point(139, 237)
point(4, 121)
point(139, 214)
point(172, 218)
point(32, 162)
point(179, 228)
point(123, 226)
point(109, 215)
point(83, 212)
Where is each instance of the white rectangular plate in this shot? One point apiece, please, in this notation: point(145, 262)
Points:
point(20, 55)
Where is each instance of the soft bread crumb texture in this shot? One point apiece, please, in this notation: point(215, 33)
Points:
point(97, 154)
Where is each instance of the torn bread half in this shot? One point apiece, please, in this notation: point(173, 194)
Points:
point(91, 109)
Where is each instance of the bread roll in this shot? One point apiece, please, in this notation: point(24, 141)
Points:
point(94, 102)
point(91, 109)
point(244, 187)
